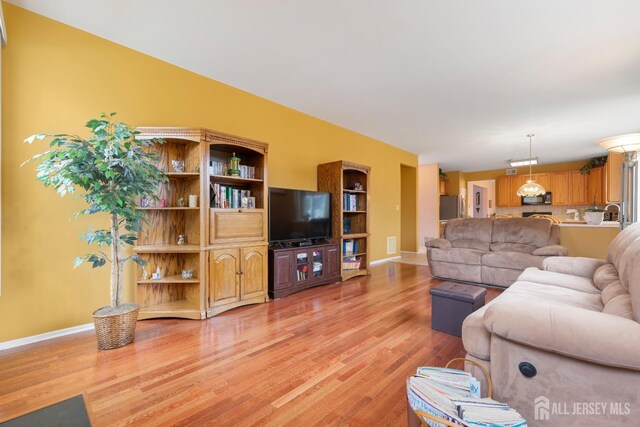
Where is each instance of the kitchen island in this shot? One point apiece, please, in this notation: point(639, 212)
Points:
point(587, 240)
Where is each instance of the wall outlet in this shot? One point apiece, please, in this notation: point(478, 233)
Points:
point(391, 245)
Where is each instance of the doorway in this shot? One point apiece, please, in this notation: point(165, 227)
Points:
point(482, 198)
point(408, 208)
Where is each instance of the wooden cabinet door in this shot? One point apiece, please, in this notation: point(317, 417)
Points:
point(559, 188)
point(224, 276)
point(253, 270)
point(595, 187)
point(502, 191)
point(578, 188)
point(332, 263)
point(515, 182)
point(613, 176)
point(543, 179)
point(283, 270)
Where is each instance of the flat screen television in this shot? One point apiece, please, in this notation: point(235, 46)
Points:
point(296, 215)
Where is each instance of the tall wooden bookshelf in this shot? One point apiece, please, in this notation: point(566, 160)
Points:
point(349, 185)
point(224, 246)
point(171, 295)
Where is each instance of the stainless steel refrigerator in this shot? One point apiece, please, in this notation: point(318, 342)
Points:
point(450, 207)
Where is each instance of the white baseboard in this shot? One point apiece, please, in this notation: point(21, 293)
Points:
point(46, 336)
point(381, 261)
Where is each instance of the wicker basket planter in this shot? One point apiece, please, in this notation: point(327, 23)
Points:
point(118, 329)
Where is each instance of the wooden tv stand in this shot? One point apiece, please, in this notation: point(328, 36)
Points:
point(297, 268)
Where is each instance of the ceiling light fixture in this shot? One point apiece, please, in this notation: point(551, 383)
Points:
point(531, 188)
point(523, 162)
point(629, 145)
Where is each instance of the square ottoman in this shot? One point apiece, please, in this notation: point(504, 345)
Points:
point(451, 303)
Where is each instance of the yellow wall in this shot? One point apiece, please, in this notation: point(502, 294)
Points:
point(408, 208)
point(54, 78)
point(495, 173)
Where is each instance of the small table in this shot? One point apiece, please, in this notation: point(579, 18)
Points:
point(451, 303)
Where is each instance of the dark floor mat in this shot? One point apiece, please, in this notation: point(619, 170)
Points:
point(68, 413)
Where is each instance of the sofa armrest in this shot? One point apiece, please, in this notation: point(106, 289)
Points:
point(438, 243)
point(576, 266)
point(551, 250)
point(575, 332)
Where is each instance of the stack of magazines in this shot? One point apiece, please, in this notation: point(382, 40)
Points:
point(454, 395)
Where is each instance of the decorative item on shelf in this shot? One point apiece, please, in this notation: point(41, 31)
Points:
point(244, 203)
point(346, 226)
point(145, 273)
point(234, 165)
point(251, 202)
point(162, 203)
point(358, 186)
point(193, 201)
point(181, 240)
point(531, 188)
point(443, 175)
point(596, 162)
point(65, 167)
point(180, 202)
point(146, 202)
point(156, 275)
point(187, 274)
point(177, 165)
point(629, 145)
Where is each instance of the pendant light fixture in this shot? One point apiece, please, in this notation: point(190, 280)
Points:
point(531, 188)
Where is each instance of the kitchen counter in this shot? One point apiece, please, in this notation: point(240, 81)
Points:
point(610, 224)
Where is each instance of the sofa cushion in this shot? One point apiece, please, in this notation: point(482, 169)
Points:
point(605, 275)
point(470, 244)
point(512, 247)
point(512, 260)
point(555, 295)
point(527, 231)
point(552, 278)
point(629, 270)
point(619, 306)
point(475, 336)
point(454, 270)
point(469, 229)
point(457, 255)
point(611, 291)
point(551, 250)
point(621, 242)
point(497, 276)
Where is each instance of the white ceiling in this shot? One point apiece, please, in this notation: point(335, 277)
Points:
point(458, 82)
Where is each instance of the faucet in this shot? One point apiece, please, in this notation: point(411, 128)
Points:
point(613, 204)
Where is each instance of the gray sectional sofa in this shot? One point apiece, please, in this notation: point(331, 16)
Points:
point(577, 321)
point(492, 251)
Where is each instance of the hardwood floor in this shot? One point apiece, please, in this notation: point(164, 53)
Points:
point(337, 354)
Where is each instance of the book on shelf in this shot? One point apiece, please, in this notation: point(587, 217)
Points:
point(219, 168)
point(228, 197)
point(348, 247)
point(350, 202)
point(454, 395)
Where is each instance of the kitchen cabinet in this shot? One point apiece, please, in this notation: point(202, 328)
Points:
point(543, 179)
point(612, 177)
point(578, 188)
point(515, 182)
point(596, 186)
point(502, 191)
point(559, 188)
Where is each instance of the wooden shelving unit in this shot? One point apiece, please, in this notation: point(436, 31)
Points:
point(171, 295)
point(340, 178)
point(225, 247)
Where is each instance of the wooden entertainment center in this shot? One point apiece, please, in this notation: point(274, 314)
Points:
point(292, 269)
point(225, 246)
